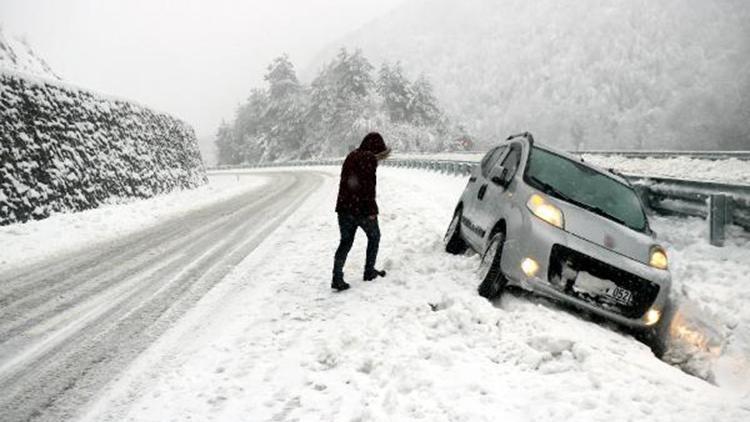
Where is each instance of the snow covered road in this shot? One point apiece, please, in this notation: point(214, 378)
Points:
point(68, 324)
point(183, 328)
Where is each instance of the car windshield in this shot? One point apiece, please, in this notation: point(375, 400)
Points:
point(583, 186)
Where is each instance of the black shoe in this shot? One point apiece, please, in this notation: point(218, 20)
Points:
point(339, 285)
point(371, 275)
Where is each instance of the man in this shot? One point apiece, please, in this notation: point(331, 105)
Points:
point(356, 206)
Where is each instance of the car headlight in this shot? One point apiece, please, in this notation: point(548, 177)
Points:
point(652, 316)
point(545, 210)
point(658, 258)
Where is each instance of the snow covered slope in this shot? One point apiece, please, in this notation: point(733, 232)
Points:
point(65, 148)
point(17, 55)
point(68, 149)
point(588, 73)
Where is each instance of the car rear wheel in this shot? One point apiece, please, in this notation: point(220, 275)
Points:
point(490, 273)
point(453, 241)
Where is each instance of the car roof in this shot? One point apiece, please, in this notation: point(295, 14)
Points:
point(577, 158)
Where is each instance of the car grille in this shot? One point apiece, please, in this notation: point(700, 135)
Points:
point(563, 260)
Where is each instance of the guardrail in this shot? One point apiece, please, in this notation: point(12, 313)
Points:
point(721, 204)
point(702, 155)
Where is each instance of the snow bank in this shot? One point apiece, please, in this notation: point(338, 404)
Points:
point(712, 285)
point(62, 233)
point(273, 342)
point(67, 149)
point(730, 170)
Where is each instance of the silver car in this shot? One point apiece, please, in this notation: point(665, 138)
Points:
point(550, 223)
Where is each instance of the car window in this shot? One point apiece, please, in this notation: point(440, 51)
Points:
point(489, 160)
point(511, 161)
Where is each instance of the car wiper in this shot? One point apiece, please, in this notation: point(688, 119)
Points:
point(603, 213)
point(549, 189)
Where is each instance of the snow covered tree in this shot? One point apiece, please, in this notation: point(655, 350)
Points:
point(396, 91)
point(422, 109)
point(226, 145)
point(340, 103)
point(250, 126)
point(281, 77)
point(287, 120)
point(284, 117)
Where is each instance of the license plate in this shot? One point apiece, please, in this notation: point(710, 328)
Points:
point(620, 295)
point(590, 284)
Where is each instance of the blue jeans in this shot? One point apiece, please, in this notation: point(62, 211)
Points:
point(348, 225)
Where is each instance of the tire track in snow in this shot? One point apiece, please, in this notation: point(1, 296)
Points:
point(55, 355)
point(80, 287)
point(26, 289)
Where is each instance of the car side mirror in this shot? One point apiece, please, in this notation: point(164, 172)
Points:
point(501, 179)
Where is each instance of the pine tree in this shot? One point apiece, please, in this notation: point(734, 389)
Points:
point(226, 146)
point(286, 120)
point(283, 119)
point(340, 103)
point(396, 91)
point(250, 126)
point(423, 107)
point(281, 78)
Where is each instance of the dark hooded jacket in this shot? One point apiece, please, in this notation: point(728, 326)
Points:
point(357, 184)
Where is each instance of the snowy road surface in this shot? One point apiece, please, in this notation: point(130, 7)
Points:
point(264, 338)
point(68, 324)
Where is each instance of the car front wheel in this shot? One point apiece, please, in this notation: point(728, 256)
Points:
point(490, 274)
point(453, 241)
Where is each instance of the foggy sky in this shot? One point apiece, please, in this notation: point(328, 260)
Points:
point(194, 59)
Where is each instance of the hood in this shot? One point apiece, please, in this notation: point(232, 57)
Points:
point(373, 143)
point(606, 233)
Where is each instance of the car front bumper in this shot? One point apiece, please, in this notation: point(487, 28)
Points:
point(545, 243)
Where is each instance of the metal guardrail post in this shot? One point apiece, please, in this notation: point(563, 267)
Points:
point(718, 218)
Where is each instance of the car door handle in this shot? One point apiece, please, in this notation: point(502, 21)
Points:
point(482, 190)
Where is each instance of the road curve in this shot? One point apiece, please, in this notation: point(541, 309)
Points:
point(69, 326)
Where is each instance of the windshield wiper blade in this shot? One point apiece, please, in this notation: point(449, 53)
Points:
point(549, 189)
point(603, 213)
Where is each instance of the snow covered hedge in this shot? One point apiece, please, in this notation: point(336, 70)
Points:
point(63, 148)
